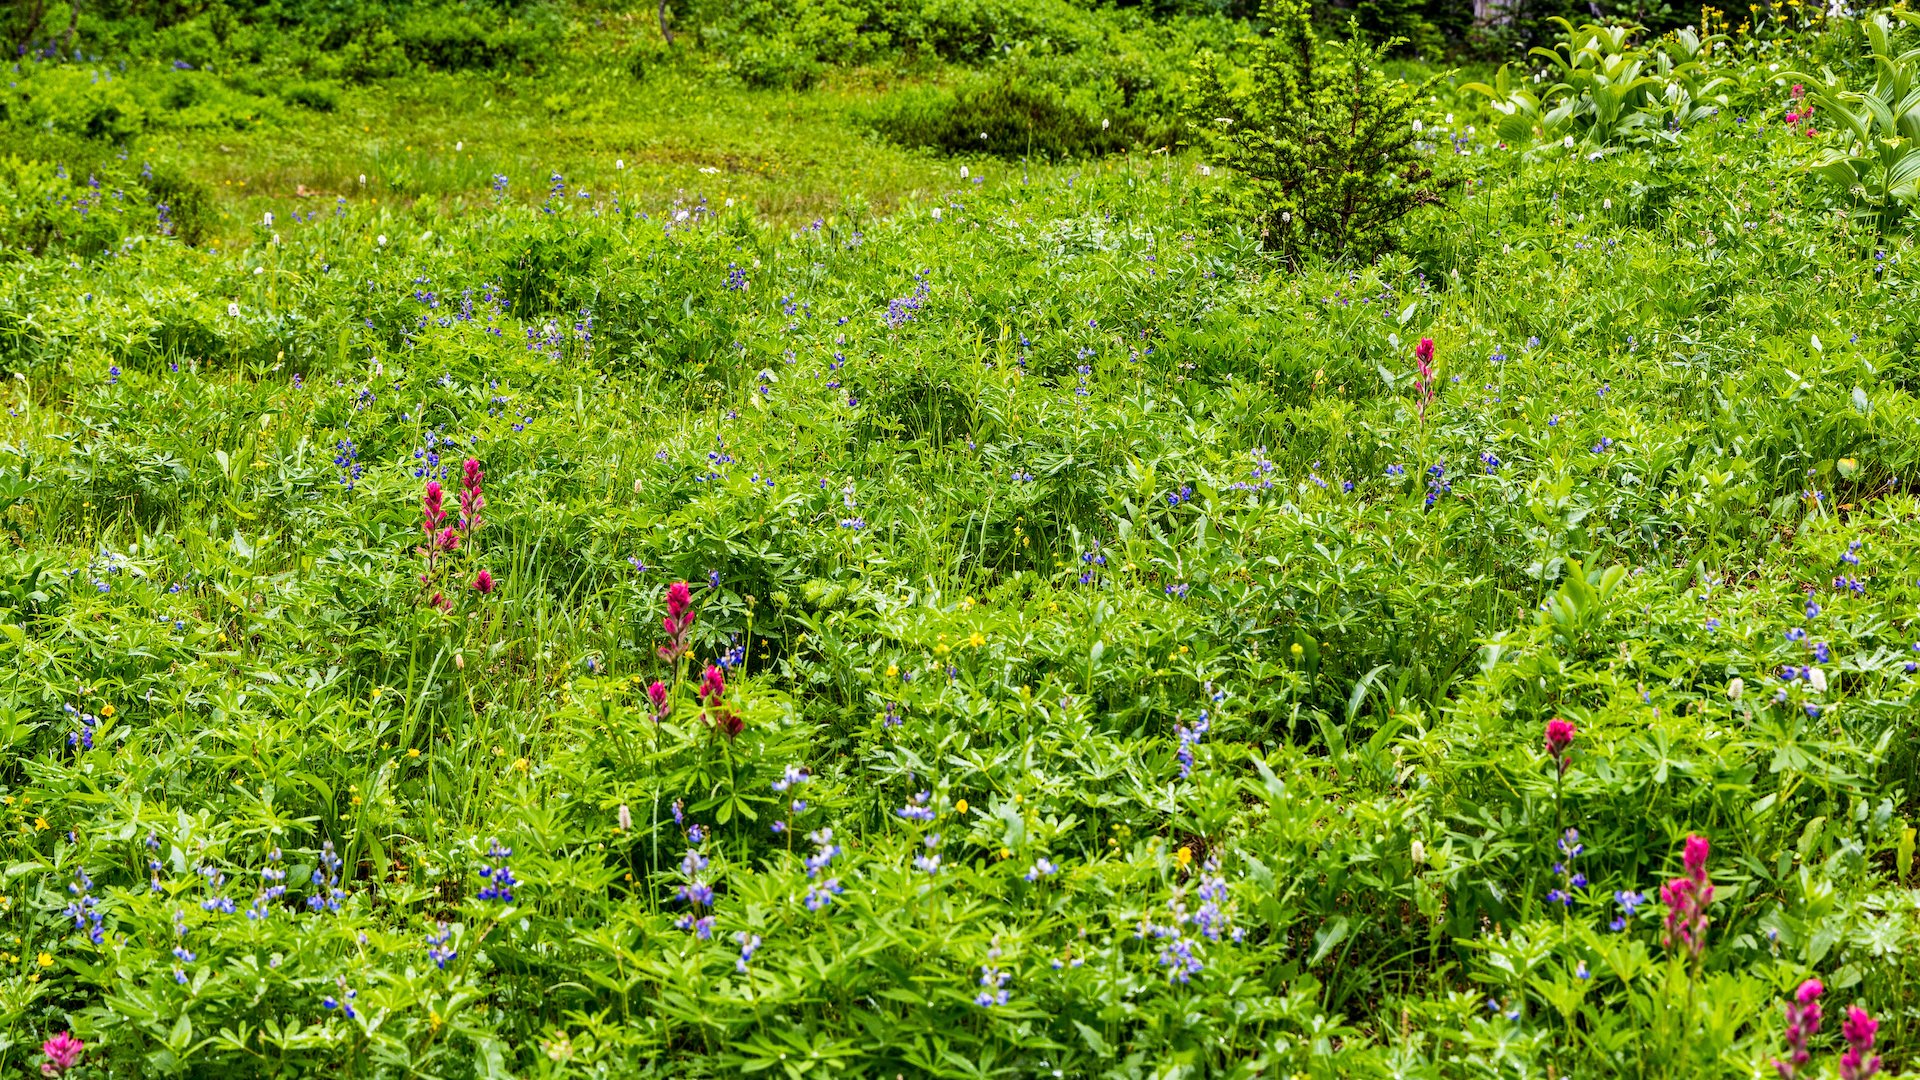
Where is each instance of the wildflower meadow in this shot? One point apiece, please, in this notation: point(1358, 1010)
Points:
point(841, 538)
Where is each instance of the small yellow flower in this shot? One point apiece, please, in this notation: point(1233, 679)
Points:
point(40, 823)
point(1006, 853)
point(106, 711)
point(960, 807)
point(941, 649)
point(45, 959)
point(413, 751)
point(1185, 855)
point(892, 670)
point(223, 637)
point(1296, 650)
point(975, 639)
point(521, 764)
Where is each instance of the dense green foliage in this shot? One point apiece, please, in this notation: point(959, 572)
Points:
point(1328, 151)
point(1109, 650)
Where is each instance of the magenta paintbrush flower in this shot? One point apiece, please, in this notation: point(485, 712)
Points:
point(1560, 735)
point(1803, 1022)
point(1858, 1061)
point(678, 621)
point(63, 1053)
point(1687, 898)
point(1423, 384)
point(483, 583)
point(471, 500)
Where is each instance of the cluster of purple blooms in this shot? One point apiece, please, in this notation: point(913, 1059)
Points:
point(1571, 879)
point(326, 881)
point(795, 777)
point(498, 876)
point(929, 862)
point(344, 1002)
point(273, 886)
point(81, 737)
point(917, 809)
point(1181, 953)
point(216, 901)
point(1095, 561)
point(993, 980)
point(437, 950)
point(1261, 473)
point(82, 909)
point(1437, 483)
point(1188, 737)
point(180, 951)
point(749, 944)
point(902, 310)
point(697, 893)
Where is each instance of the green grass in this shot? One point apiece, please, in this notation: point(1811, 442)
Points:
point(1064, 537)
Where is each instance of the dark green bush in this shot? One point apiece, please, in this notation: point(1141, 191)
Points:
point(1323, 147)
point(448, 41)
point(1042, 102)
point(311, 94)
point(190, 208)
point(776, 64)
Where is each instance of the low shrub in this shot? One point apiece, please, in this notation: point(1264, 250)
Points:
point(1323, 148)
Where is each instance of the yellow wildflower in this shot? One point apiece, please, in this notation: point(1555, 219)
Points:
point(960, 807)
point(1185, 855)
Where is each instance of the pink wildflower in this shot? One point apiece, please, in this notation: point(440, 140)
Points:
point(1559, 740)
point(471, 500)
point(1803, 1022)
point(1686, 899)
point(1423, 383)
point(63, 1053)
point(1858, 1029)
